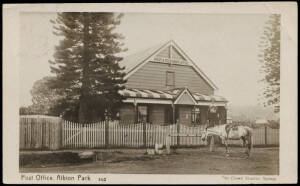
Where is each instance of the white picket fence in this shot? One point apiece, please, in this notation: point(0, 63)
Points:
point(125, 135)
point(94, 135)
point(55, 133)
point(191, 140)
point(132, 136)
point(262, 136)
point(75, 135)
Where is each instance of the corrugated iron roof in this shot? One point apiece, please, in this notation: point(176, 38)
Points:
point(168, 94)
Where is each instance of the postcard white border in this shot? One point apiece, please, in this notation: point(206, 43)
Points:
point(288, 114)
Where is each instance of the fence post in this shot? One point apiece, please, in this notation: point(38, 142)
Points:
point(55, 131)
point(59, 132)
point(266, 142)
point(168, 143)
point(31, 132)
point(106, 133)
point(84, 135)
point(178, 131)
point(144, 135)
point(212, 143)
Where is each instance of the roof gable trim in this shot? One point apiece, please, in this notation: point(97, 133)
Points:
point(181, 52)
point(200, 72)
point(139, 65)
point(185, 92)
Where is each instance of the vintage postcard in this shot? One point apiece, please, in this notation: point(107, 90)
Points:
point(176, 93)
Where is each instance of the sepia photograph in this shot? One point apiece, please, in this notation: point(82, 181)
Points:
point(149, 93)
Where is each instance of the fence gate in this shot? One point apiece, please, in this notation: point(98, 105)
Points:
point(76, 135)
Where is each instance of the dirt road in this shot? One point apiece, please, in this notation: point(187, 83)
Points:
point(263, 161)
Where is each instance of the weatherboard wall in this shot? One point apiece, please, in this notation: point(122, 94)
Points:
point(153, 76)
point(127, 114)
point(157, 114)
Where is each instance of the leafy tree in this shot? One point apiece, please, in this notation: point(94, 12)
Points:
point(26, 110)
point(270, 60)
point(86, 64)
point(45, 100)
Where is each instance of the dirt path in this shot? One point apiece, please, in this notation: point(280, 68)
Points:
point(263, 161)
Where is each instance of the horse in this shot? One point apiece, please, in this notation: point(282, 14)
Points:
point(231, 132)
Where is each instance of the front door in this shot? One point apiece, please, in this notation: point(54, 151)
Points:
point(168, 115)
point(142, 114)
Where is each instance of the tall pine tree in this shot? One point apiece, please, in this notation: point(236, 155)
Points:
point(86, 64)
point(270, 59)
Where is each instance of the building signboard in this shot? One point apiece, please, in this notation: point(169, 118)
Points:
point(170, 61)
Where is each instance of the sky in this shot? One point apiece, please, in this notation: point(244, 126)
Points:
point(224, 46)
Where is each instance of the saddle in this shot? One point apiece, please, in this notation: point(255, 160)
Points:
point(233, 127)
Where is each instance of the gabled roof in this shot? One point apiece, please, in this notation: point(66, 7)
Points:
point(185, 91)
point(135, 61)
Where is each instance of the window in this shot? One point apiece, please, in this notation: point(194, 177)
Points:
point(142, 114)
point(196, 115)
point(170, 80)
point(213, 109)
